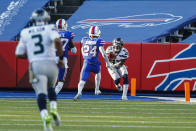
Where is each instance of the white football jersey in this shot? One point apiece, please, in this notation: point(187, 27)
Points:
point(123, 54)
point(37, 42)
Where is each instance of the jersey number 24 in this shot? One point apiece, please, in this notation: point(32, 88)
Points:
point(86, 51)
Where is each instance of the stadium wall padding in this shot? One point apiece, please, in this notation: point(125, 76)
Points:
point(156, 67)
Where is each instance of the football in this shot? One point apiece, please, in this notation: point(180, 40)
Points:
point(111, 56)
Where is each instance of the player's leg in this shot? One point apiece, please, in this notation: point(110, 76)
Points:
point(97, 71)
point(40, 87)
point(124, 74)
point(116, 77)
point(52, 77)
point(61, 77)
point(84, 74)
point(97, 83)
point(41, 91)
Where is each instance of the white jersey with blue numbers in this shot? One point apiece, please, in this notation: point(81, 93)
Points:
point(90, 48)
point(123, 54)
point(37, 41)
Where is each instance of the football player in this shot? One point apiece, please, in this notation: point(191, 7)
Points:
point(91, 48)
point(117, 55)
point(68, 44)
point(38, 44)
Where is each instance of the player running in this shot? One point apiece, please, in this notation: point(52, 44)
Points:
point(68, 44)
point(91, 47)
point(38, 43)
point(117, 55)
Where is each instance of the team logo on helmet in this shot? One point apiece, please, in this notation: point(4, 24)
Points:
point(40, 17)
point(61, 24)
point(94, 31)
point(117, 44)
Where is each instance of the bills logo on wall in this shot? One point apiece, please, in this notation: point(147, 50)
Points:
point(134, 21)
point(182, 67)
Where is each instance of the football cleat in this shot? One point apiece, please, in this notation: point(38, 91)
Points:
point(56, 118)
point(97, 92)
point(77, 97)
point(47, 123)
point(124, 98)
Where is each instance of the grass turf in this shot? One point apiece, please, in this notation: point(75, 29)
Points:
point(101, 115)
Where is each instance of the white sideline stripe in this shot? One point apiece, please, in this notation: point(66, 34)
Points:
point(93, 121)
point(121, 112)
point(109, 108)
point(119, 104)
point(109, 126)
point(181, 99)
point(127, 103)
point(71, 116)
point(103, 101)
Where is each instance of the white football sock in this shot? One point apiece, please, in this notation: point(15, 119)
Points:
point(59, 87)
point(81, 86)
point(125, 89)
point(97, 81)
point(44, 113)
point(53, 105)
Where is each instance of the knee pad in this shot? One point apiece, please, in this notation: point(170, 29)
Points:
point(51, 94)
point(117, 81)
point(126, 79)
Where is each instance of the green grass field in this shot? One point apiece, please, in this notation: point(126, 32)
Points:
point(101, 115)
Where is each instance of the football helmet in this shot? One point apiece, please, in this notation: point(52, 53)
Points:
point(40, 17)
point(117, 44)
point(94, 31)
point(61, 24)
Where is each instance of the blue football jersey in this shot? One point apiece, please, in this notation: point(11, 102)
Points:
point(66, 37)
point(90, 49)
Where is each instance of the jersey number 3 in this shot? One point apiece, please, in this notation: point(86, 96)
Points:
point(38, 43)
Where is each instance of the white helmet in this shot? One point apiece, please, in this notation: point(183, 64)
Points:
point(40, 17)
point(94, 31)
point(61, 24)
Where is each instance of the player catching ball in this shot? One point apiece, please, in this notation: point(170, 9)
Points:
point(117, 56)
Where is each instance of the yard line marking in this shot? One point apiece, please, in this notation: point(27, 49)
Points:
point(84, 102)
point(92, 121)
point(125, 117)
point(121, 112)
point(109, 126)
point(95, 108)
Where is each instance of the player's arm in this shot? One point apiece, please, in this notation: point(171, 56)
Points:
point(21, 49)
point(72, 46)
point(58, 46)
point(101, 49)
point(120, 63)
